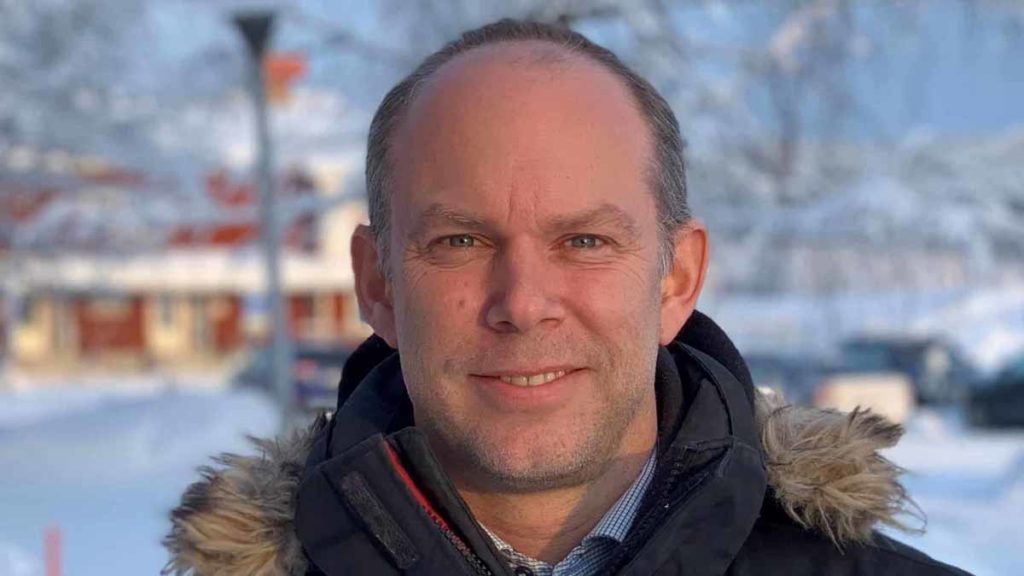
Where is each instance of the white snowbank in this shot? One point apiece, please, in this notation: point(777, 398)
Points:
point(970, 484)
point(16, 562)
point(106, 469)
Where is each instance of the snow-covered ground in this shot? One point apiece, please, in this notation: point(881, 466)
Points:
point(970, 484)
point(107, 465)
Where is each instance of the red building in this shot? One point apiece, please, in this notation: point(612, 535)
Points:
point(195, 297)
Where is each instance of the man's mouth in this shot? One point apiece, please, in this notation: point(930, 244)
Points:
point(532, 379)
point(538, 387)
point(526, 378)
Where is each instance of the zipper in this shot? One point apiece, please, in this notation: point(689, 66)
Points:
point(472, 559)
point(661, 503)
point(669, 492)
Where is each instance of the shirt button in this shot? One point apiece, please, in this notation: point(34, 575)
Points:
point(523, 571)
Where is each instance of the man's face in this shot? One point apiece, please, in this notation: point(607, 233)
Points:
point(525, 283)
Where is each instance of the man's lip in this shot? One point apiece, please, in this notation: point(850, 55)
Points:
point(519, 372)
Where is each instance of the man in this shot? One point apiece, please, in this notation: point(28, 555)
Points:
point(555, 405)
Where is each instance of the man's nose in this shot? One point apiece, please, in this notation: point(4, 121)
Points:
point(523, 292)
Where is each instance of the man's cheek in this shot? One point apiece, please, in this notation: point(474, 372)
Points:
point(441, 308)
point(609, 298)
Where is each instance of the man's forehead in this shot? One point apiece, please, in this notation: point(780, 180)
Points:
point(520, 124)
point(529, 86)
point(509, 68)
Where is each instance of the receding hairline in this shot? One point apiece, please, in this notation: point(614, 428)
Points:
point(532, 52)
point(548, 45)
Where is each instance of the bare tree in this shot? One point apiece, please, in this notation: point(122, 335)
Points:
point(63, 68)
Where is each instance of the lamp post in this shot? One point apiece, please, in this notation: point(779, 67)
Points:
point(256, 29)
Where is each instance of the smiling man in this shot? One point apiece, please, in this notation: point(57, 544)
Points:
point(540, 396)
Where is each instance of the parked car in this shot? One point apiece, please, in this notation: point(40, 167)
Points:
point(887, 393)
point(315, 373)
point(794, 377)
point(999, 401)
point(937, 371)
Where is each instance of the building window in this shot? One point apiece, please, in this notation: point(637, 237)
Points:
point(165, 307)
point(200, 323)
point(64, 326)
point(302, 312)
point(27, 306)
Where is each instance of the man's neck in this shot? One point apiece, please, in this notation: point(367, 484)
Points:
point(547, 525)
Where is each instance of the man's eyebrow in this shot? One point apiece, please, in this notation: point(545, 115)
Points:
point(603, 215)
point(440, 215)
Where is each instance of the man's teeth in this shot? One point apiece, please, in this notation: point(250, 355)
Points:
point(534, 380)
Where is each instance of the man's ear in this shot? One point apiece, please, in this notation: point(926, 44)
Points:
point(682, 284)
point(373, 290)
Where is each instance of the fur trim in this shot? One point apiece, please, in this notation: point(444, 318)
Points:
point(825, 470)
point(237, 519)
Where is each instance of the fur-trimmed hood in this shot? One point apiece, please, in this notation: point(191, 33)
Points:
point(824, 470)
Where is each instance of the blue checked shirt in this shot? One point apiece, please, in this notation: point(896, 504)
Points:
point(590, 556)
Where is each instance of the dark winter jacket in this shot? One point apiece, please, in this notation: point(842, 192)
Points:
point(743, 486)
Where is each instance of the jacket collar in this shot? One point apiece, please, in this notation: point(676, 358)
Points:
point(710, 481)
point(708, 458)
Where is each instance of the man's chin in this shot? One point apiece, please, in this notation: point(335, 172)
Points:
point(537, 479)
point(530, 468)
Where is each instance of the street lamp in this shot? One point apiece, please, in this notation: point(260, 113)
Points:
point(256, 29)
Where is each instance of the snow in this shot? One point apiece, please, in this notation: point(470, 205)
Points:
point(971, 486)
point(797, 31)
point(986, 324)
point(16, 562)
point(106, 465)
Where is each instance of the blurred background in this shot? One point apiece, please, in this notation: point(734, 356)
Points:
point(860, 165)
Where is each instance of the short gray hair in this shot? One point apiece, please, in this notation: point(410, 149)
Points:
point(667, 174)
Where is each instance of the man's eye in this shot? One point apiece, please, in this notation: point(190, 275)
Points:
point(461, 241)
point(585, 241)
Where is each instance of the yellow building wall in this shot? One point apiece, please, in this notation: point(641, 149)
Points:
point(33, 341)
point(169, 340)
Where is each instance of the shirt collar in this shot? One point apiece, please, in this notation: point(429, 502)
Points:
point(617, 521)
point(615, 524)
